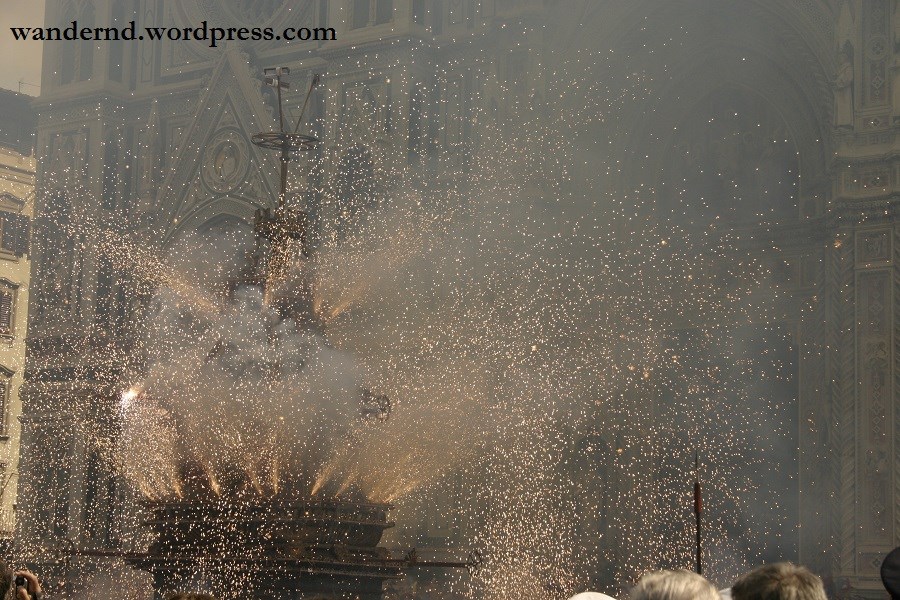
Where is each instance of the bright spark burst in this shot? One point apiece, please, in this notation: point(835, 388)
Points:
point(555, 351)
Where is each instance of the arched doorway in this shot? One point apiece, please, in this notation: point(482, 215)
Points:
point(714, 121)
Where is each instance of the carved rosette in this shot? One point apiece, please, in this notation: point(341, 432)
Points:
point(226, 161)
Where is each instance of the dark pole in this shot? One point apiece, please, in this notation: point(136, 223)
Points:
point(698, 510)
point(285, 157)
point(280, 113)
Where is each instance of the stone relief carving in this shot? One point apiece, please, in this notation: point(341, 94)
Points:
point(230, 108)
point(873, 247)
point(895, 25)
point(875, 60)
point(864, 180)
point(874, 330)
point(895, 65)
point(226, 161)
point(843, 88)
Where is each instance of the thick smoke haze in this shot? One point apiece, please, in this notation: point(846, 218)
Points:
point(563, 312)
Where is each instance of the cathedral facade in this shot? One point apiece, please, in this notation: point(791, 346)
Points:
point(151, 139)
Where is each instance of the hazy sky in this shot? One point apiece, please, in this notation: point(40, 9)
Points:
point(20, 61)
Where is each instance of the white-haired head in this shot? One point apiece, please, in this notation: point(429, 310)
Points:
point(673, 585)
point(591, 596)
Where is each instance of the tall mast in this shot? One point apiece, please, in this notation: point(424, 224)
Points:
point(282, 234)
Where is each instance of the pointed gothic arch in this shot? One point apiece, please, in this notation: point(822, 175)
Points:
point(747, 59)
point(674, 61)
point(781, 52)
point(216, 213)
point(197, 187)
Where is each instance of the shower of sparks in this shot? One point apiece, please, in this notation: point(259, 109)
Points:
point(555, 351)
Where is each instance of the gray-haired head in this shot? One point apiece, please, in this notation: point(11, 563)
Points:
point(591, 596)
point(778, 581)
point(673, 585)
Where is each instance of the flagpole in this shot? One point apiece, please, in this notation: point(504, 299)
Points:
point(698, 510)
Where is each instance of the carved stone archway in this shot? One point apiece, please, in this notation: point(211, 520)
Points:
point(671, 58)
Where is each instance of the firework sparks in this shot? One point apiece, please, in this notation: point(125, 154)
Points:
point(554, 345)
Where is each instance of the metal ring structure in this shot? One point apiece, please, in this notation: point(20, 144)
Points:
point(291, 142)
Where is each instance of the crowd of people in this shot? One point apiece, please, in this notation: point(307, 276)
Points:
point(777, 581)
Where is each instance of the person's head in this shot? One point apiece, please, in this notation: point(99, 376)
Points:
point(673, 585)
point(591, 596)
point(6, 580)
point(778, 581)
